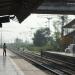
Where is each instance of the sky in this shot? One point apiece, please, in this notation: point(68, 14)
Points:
point(12, 30)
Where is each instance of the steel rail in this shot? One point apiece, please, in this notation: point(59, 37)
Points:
point(44, 63)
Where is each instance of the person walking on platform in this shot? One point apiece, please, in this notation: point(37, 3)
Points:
point(4, 49)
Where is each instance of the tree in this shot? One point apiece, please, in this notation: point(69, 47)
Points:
point(57, 35)
point(64, 20)
point(41, 37)
point(18, 41)
point(59, 31)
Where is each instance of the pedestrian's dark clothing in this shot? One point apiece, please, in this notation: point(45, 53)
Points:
point(4, 49)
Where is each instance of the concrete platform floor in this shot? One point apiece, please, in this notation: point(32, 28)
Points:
point(12, 64)
point(6, 65)
point(63, 53)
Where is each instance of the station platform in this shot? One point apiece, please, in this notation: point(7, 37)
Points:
point(6, 65)
point(12, 64)
point(63, 53)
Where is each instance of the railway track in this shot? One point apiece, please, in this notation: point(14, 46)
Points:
point(53, 65)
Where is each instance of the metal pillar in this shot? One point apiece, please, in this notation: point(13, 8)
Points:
point(62, 29)
point(49, 22)
point(1, 33)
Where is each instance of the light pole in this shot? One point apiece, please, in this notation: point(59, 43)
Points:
point(49, 22)
point(62, 30)
point(1, 33)
point(1, 37)
point(48, 18)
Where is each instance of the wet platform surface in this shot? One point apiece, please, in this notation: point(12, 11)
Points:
point(63, 53)
point(12, 64)
point(6, 65)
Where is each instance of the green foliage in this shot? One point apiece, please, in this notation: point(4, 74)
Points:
point(18, 41)
point(42, 39)
point(34, 48)
point(52, 43)
point(58, 30)
point(41, 36)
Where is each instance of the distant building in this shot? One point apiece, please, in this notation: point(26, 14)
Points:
point(69, 32)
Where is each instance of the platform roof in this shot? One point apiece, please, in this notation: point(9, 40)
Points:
point(23, 8)
point(56, 7)
point(70, 24)
point(20, 8)
point(71, 34)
